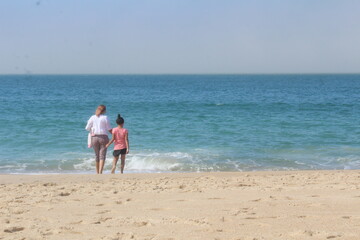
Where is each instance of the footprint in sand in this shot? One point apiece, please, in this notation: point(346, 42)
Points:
point(332, 236)
point(13, 229)
point(141, 224)
point(242, 210)
point(236, 213)
point(120, 236)
point(157, 209)
point(309, 233)
point(256, 200)
point(49, 184)
point(19, 211)
point(244, 185)
point(47, 232)
point(78, 222)
point(102, 220)
point(198, 222)
point(102, 212)
point(64, 194)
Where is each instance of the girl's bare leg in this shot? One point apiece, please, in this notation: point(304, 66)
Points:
point(102, 163)
point(114, 164)
point(122, 163)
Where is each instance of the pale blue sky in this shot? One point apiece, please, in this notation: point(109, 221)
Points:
point(179, 36)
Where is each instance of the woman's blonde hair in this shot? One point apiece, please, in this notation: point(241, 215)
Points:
point(101, 109)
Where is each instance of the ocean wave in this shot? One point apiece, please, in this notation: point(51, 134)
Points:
point(199, 160)
point(145, 161)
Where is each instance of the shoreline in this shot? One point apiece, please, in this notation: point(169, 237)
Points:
point(164, 174)
point(316, 204)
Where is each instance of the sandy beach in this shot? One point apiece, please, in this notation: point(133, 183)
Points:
point(243, 205)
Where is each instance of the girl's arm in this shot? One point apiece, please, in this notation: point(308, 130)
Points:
point(111, 141)
point(127, 142)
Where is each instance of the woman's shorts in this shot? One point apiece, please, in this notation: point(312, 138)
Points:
point(116, 153)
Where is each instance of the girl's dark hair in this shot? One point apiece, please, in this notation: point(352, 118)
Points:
point(119, 120)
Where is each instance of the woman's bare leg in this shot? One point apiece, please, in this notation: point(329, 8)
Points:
point(114, 164)
point(122, 163)
point(102, 153)
point(102, 163)
point(97, 167)
point(96, 146)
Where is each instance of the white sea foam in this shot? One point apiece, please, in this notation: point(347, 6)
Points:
point(156, 161)
point(149, 161)
point(85, 164)
point(140, 161)
point(199, 160)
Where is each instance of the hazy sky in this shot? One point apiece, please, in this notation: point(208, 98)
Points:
point(179, 36)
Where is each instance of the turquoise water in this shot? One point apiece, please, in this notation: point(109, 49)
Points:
point(183, 122)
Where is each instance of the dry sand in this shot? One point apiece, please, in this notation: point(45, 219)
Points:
point(247, 205)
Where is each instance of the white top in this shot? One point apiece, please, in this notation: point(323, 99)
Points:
point(98, 125)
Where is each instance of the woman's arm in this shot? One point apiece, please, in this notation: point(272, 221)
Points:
point(108, 126)
point(127, 142)
point(89, 124)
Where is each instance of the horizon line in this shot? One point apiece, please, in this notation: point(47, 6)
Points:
point(280, 73)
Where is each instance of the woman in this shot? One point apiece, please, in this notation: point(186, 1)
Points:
point(98, 125)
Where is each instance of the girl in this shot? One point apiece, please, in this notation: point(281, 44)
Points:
point(98, 125)
point(121, 146)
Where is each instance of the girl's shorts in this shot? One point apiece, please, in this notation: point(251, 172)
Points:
point(116, 153)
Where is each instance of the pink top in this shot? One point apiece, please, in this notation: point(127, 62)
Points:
point(119, 135)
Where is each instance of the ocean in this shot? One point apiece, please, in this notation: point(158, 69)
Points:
point(183, 123)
